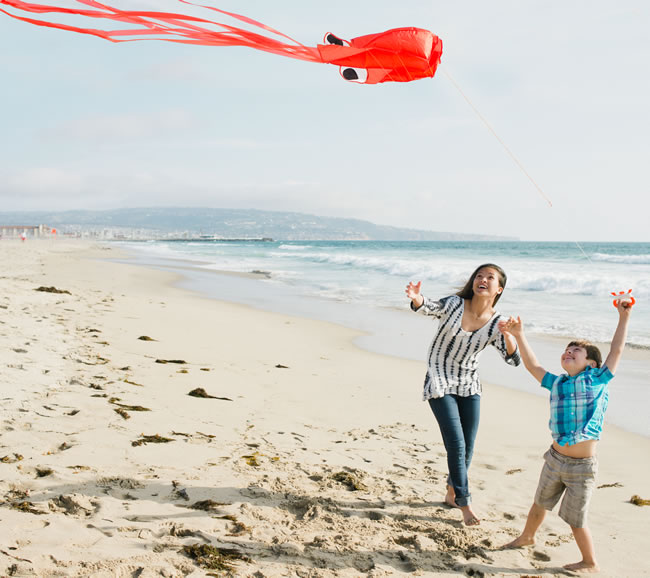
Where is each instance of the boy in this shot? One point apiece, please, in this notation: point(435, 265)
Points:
point(578, 403)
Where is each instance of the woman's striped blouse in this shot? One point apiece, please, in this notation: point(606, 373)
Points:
point(453, 354)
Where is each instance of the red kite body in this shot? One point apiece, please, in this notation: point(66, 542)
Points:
point(399, 55)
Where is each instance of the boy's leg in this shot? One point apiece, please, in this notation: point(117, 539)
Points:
point(586, 545)
point(535, 518)
point(549, 491)
point(581, 481)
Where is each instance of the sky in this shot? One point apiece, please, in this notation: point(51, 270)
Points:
point(89, 124)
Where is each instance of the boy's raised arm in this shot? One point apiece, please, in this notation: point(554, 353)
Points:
point(515, 327)
point(620, 335)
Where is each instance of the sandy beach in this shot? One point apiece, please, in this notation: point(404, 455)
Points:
point(149, 431)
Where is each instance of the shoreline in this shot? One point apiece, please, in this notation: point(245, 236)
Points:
point(311, 416)
point(378, 333)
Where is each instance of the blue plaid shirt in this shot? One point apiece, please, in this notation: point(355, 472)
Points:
point(578, 404)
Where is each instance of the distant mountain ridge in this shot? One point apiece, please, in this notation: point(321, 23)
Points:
point(279, 225)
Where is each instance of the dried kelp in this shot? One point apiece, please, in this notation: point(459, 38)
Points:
point(179, 361)
point(207, 505)
point(155, 439)
point(214, 558)
point(200, 392)
point(614, 485)
point(119, 411)
point(253, 459)
point(53, 290)
point(11, 459)
point(132, 382)
point(44, 472)
point(639, 501)
point(146, 338)
point(114, 401)
point(25, 506)
point(352, 481)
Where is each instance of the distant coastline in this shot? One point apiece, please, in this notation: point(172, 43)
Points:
point(183, 223)
point(216, 239)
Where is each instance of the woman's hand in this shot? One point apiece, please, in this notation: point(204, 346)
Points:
point(413, 293)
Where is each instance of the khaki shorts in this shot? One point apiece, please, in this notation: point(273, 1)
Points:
point(575, 475)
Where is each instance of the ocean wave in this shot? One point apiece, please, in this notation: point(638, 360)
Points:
point(625, 259)
point(294, 247)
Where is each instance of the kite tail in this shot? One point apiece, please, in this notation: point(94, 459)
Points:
point(167, 26)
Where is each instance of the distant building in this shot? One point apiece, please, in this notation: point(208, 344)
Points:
point(17, 231)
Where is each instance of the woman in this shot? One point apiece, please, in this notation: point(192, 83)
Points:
point(468, 323)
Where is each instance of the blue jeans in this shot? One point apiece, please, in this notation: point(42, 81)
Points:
point(458, 419)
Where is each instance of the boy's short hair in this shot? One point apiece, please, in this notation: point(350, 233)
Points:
point(593, 352)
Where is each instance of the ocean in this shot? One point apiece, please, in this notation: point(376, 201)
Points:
point(560, 290)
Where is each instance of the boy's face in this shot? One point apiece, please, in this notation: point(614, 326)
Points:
point(574, 360)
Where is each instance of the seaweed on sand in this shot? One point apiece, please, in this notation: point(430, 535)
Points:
point(180, 361)
point(253, 459)
point(207, 505)
point(25, 506)
point(52, 290)
point(154, 439)
point(200, 392)
point(11, 459)
point(352, 481)
point(639, 501)
point(114, 401)
point(121, 412)
point(214, 558)
point(146, 338)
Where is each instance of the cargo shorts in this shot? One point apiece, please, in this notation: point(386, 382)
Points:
point(573, 477)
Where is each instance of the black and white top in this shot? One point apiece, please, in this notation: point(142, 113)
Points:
point(453, 353)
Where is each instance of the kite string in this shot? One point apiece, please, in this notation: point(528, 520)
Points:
point(503, 144)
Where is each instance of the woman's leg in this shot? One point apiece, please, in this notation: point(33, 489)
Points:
point(448, 417)
point(469, 409)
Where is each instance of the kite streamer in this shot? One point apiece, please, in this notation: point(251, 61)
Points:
point(398, 55)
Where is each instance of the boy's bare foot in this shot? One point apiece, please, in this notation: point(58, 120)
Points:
point(583, 567)
point(520, 542)
point(469, 518)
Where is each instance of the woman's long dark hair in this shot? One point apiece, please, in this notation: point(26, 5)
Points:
point(467, 292)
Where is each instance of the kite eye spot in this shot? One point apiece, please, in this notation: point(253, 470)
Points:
point(331, 39)
point(354, 74)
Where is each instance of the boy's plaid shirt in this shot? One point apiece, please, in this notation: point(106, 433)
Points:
point(578, 404)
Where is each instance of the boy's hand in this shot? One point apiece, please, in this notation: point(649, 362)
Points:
point(512, 326)
point(624, 308)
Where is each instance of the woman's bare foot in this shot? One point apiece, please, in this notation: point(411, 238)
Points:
point(519, 542)
point(450, 498)
point(584, 567)
point(469, 518)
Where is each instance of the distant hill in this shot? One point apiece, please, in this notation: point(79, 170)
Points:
point(280, 225)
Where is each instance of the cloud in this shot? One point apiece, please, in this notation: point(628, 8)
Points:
point(125, 127)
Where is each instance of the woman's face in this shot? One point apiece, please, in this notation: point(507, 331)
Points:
point(487, 283)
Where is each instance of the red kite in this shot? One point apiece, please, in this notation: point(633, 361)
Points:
point(400, 54)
